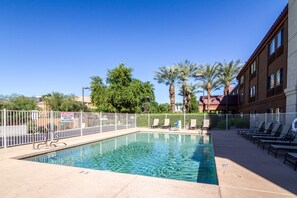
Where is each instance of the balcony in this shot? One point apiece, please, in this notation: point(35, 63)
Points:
point(271, 58)
point(252, 99)
point(279, 51)
point(270, 92)
point(253, 75)
point(278, 89)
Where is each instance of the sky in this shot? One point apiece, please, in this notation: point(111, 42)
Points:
point(57, 45)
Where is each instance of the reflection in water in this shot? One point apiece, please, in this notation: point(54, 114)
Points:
point(173, 156)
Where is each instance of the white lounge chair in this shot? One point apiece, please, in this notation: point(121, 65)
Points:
point(155, 124)
point(166, 123)
point(193, 124)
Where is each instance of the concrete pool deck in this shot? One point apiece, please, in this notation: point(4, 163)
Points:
point(243, 171)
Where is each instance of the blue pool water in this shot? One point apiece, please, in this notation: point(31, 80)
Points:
point(172, 156)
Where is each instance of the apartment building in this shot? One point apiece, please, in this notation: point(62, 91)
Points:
point(263, 79)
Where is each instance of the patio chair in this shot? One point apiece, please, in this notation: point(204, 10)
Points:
point(274, 133)
point(283, 138)
point(293, 157)
point(176, 127)
point(205, 124)
point(166, 123)
point(267, 130)
point(256, 129)
point(275, 148)
point(156, 123)
point(193, 124)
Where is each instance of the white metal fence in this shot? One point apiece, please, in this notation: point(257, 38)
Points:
point(24, 127)
point(218, 121)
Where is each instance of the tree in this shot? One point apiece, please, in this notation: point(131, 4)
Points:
point(99, 95)
point(19, 102)
point(168, 76)
point(165, 108)
point(191, 90)
point(186, 70)
point(227, 73)
point(59, 102)
point(208, 74)
point(122, 93)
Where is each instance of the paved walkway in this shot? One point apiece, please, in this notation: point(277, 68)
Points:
point(245, 170)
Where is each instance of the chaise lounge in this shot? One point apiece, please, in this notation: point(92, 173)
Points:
point(275, 148)
point(166, 123)
point(292, 159)
point(155, 124)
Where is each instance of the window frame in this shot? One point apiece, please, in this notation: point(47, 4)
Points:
point(269, 47)
point(281, 38)
point(279, 77)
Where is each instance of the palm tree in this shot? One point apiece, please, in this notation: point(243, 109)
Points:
point(208, 74)
point(228, 73)
point(168, 76)
point(186, 70)
point(190, 90)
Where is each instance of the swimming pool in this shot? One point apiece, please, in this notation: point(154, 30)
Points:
point(171, 156)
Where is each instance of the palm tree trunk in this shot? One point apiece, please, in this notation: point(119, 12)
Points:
point(226, 93)
point(184, 95)
point(172, 97)
point(208, 100)
point(189, 103)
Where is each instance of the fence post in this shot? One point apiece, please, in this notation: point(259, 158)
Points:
point(52, 125)
point(115, 122)
point(100, 121)
point(135, 121)
point(127, 121)
point(265, 118)
point(148, 120)
point(81, 123)
point(226, 121)
point(184, 120)
point(4, 129)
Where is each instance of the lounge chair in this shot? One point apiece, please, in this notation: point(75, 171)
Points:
point(166, 123)
point(261, 125)
point(177, 126)
point(283, 138)
point(205, 124)
point(193, 124)
point(267, 130)
point(274, 133)
point(293, 157)
point(274, 148)
point(156, 123)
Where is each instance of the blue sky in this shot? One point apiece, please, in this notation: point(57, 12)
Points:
point(57, 45)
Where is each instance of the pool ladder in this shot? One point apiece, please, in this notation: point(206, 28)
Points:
point(54, 142)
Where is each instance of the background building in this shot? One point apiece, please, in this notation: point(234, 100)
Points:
point(263, 78)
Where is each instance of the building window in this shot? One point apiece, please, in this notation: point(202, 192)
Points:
point(279, 77)
point(272, 47)
point(241, 80)
point(253, 67)
point(280, 38)
point(253, 91)
point(270, 83)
